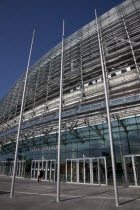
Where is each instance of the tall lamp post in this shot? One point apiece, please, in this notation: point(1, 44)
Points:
point(108, 117)
point(20, 119)
point(60, 117)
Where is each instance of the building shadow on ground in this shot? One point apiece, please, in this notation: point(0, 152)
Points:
point(4, 192)
point(128, 201)
point(84, 196)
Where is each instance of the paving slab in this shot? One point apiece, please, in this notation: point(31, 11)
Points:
point(31, 195)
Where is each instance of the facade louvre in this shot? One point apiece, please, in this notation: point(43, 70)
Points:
point(85, 151)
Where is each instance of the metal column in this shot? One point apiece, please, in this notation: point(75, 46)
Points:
point(108, 117)
point(77, 171)
point(20, 119)
point(60, 116)
point(71, 170)
point(134, 171)
point(125, 172)
point(106, 171)
point(99, 178)
point(66, 171)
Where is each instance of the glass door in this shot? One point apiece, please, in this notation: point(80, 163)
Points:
point(44, 169)
point(132, 170)
point(68, 170)
point(95, 171)
point(36, 170)
point(48, 170)
point(53, 167)
point(36, 166)
point(47, 166)
point(102, 171)
point(87, 170)
point(51, 170)
point(137, 166)
point(81, 171)
point(74, 171)
point(33, 170)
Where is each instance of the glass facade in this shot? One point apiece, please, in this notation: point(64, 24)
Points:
point(85, 154)
point(85, 145)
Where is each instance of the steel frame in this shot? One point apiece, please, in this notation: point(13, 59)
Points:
point(83, 94)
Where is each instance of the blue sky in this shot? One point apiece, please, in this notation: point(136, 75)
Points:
point(18, 18)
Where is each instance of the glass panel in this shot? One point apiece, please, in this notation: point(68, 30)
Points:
point(10, 174)
point(87, 171)
point(40, 165)
point(129, 170)
point(68, 170)
point(27, 169)
point(81, 171)
point(95, 171)
point(5, 168)
point(33, 165)
point(24, 166)
point(17, 169)
point(102, 171)
point(74, 177)
point(20, 169)
point(12, 167)
point(63, 172)
point(19, 165)
point(55, 171)
point(44, 169)
point(9, 166)
point(48, 171)
point(36, 170)
point(137, 165)
point(52, 171)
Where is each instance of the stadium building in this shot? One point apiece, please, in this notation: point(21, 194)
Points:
point(85, 146)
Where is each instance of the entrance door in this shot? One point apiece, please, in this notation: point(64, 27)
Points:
point(51, 170)
point(20, 170)
point(99, 171)
point(95, 171)
point(102, 170)
point(132, 170)
point(137, 166)
point(48, 167)
point(71, 170)
point(68, 170)
point(81, 171)
point(8, 166)
point(87, 170)
point(36, 169)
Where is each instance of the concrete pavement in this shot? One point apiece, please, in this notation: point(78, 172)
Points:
point(31, 195)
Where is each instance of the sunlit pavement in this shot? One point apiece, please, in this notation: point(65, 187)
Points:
point(29, 194)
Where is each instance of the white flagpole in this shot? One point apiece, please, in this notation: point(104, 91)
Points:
point(108, 117)
point(20, 119)
point(60, 116)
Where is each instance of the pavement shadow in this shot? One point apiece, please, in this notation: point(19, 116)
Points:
point(4, 192)
point(128, 201)
point(26, 195)
point(72, 189)
point(84, 196)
